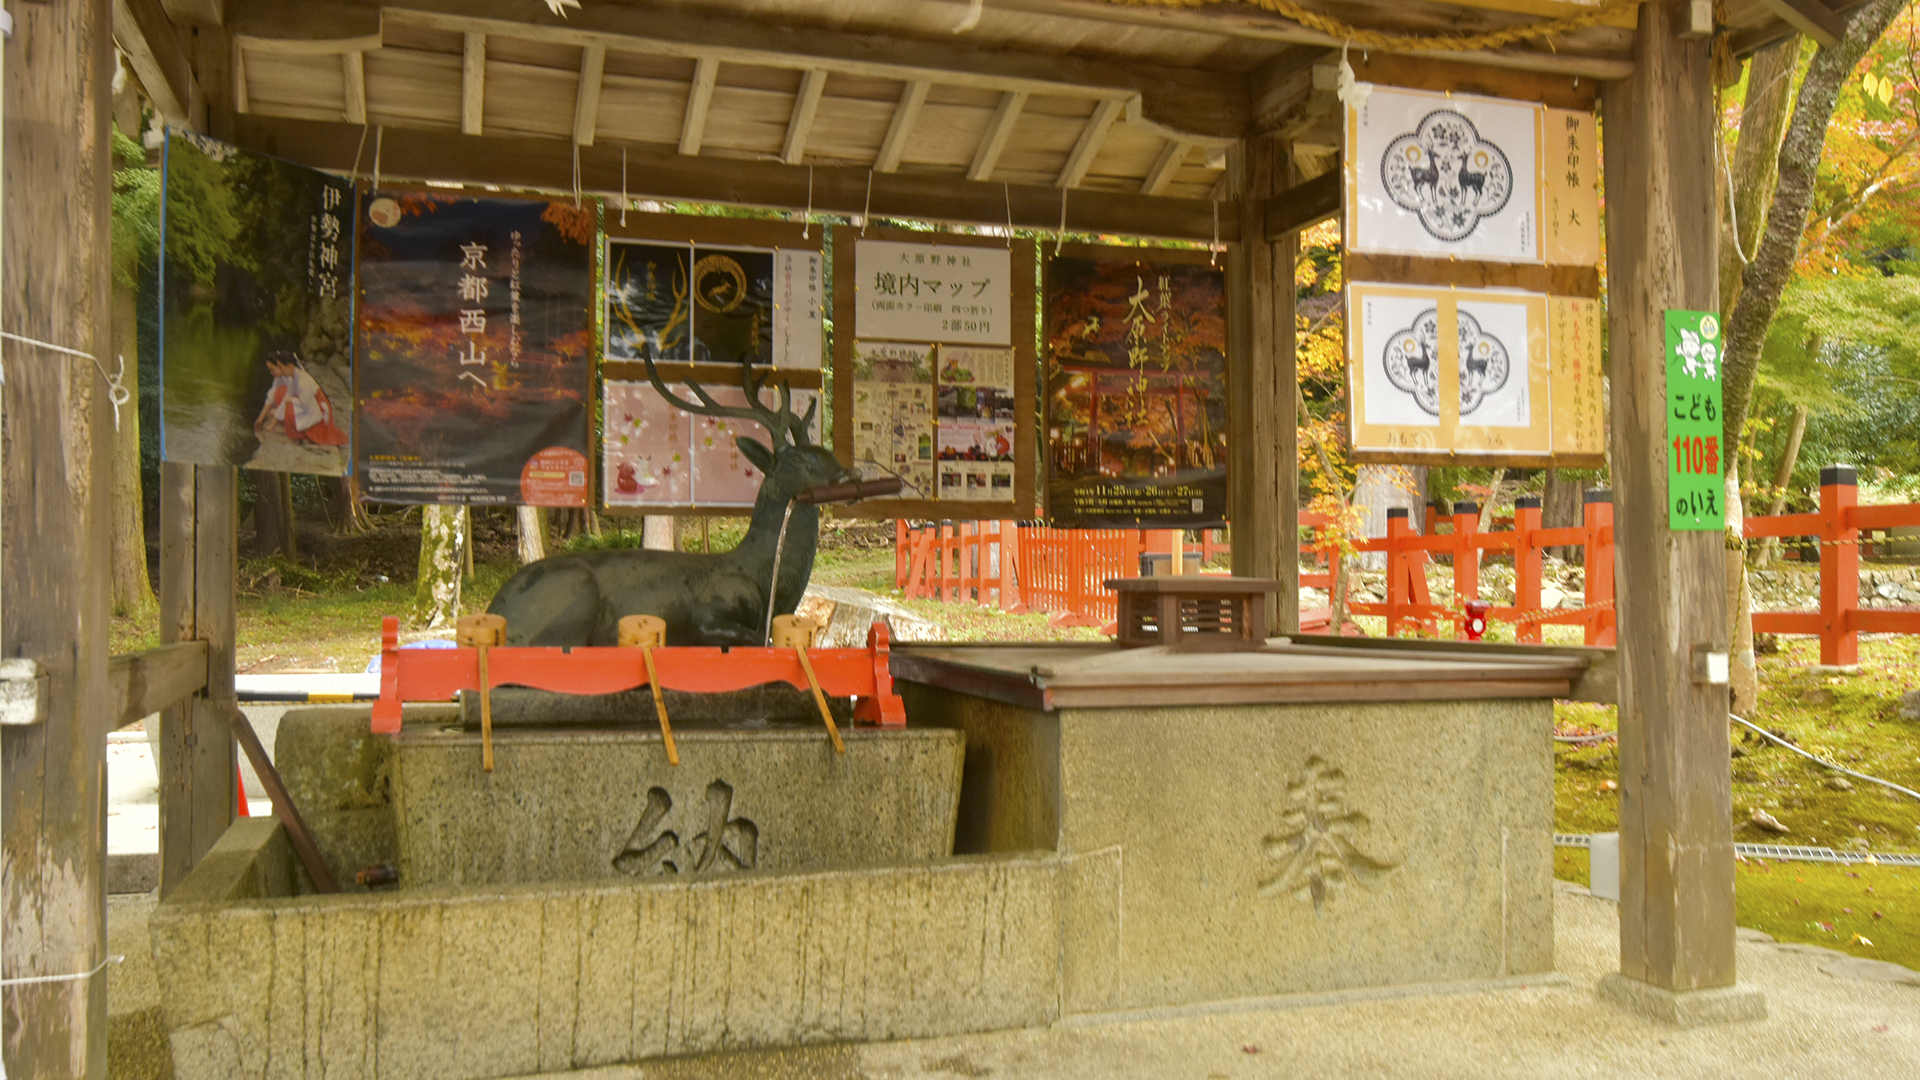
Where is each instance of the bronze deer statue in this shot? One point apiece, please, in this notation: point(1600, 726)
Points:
point(706, 599)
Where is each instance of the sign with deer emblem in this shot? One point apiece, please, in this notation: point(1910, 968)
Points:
point(476, 331)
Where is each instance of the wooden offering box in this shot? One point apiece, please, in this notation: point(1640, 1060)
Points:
point(1192, 612)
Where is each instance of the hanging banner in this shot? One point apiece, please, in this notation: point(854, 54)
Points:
point(475, 349)
point(1436, 373)
point(256, 310)
point(700, 304)
point(1695, 487)
point(1444, 176)
point(1136, 419)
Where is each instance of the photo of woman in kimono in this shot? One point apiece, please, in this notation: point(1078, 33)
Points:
point(296, 406)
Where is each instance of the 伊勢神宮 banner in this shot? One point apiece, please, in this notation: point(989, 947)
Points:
point(476, 336)
point(256, 310)
point(1136, 409)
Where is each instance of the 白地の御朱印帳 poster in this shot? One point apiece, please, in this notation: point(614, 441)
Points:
point(1136, 411)
point(476, 343)
point(256, 310)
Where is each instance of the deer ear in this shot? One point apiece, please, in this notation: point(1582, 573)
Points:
point(756, 452)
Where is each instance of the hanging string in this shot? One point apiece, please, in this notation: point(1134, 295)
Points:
point(357, 151)
point(1061, 236)
point(867, 212)
point(576, 176)
point(1006, 191)
point(117, 393)
point(30, 980)
point(1213, 249)
point(379, 141)
point(806, 230)
point(623, 187)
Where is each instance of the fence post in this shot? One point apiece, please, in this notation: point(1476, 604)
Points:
point(1398, 580)
point(1009, 544)
point(1466, 557)
point(943, 556)
point(1839, 565)
point(902, 558)
point(1601, 621)
point(1526, 567)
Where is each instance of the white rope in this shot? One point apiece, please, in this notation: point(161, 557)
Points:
point(1771, 737)
point(623, 187)
point(866, 212)
point(972, 18)
point(117, 393)
point(379, 141)
point(1006, 192)
point(1061, 236)
point(30, 980)
point(576, 176)
point(1213, 249)
point(357, 151)
point(806, 230)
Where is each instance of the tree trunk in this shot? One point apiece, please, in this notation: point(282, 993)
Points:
point(132, 588)
point(273, 521)
point(1756, 161)
point(1560, 508)
point(533, 534)
point(1782, 477)
point(1743, 670)
point(656, 532)
point(443, 540)
point(350, 514)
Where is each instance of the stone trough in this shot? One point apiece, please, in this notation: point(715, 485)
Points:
point(1124, 848)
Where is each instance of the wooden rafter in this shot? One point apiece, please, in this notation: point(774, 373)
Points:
point(1088, 146)
point(1172, 156)
point(999, 129)
point(353, 74)
point(586, 101)
point(1810, 17)
point(693, 130)
point(473, 84)
point(806, 103)
point(158, 58)
point(912, 96)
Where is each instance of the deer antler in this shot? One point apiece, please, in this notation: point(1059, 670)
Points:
point(785, 427)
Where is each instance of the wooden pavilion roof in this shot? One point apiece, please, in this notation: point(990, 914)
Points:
point(1132, 103)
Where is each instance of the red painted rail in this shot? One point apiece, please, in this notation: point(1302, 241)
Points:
point(437, 674)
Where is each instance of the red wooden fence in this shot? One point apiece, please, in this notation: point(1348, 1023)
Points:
point(1024, 566)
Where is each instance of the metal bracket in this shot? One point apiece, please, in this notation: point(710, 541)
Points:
point(1711, 665)
point(23, 692)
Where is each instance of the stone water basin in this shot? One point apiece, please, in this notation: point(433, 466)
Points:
point(589, 904)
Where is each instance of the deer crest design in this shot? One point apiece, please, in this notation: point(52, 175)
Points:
point(719, 599)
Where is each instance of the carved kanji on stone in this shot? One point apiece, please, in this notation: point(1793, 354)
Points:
point(1316, 850)
point(724, 843)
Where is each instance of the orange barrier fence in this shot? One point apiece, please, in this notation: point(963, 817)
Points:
point(1025, 566)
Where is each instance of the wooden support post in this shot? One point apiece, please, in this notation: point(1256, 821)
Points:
point(58, 455)
point(1263, 466)
point(1526, 566)
point(1601, 620)
point(196, 756)
point(1676, 827)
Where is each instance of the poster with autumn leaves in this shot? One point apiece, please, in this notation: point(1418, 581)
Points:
point(1136, 413)
point(475, 360)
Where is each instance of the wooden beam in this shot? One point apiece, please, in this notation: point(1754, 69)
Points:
point(147, 682)
point(813, 82)
point(1305, 205)
point(199, 505)
point(1472, 274)
point(273, 46)
point(586, 100)
point(1561, 90)
point(693, 130)
point(353, 73)
point(473, 84)
point(1676, 827)
point(913, 94)
point(158, 58)
point(195, 12)
point(1088, 146)
point(999, 129)
point(54, 504)
point(658, 173)
point(241, 95)
point(1172, 156)
point(1810, 17)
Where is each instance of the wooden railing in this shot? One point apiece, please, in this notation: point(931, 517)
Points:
point(1024, 566)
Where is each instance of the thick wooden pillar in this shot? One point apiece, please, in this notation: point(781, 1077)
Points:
point(1263, 479)
point(1676, 836)
point(53, 583)
point(196, 758)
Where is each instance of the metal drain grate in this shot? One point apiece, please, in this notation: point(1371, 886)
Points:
point(1783, 852)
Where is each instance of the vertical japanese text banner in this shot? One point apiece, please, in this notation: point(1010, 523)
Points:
point(475, 349)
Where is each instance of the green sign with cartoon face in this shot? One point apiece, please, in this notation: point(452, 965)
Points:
point(1696, 490)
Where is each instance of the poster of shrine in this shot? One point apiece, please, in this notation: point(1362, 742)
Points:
point(1136, 411)
point(654, 453)
point(475, 359)
point(1444, 176)
point(256, 310)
